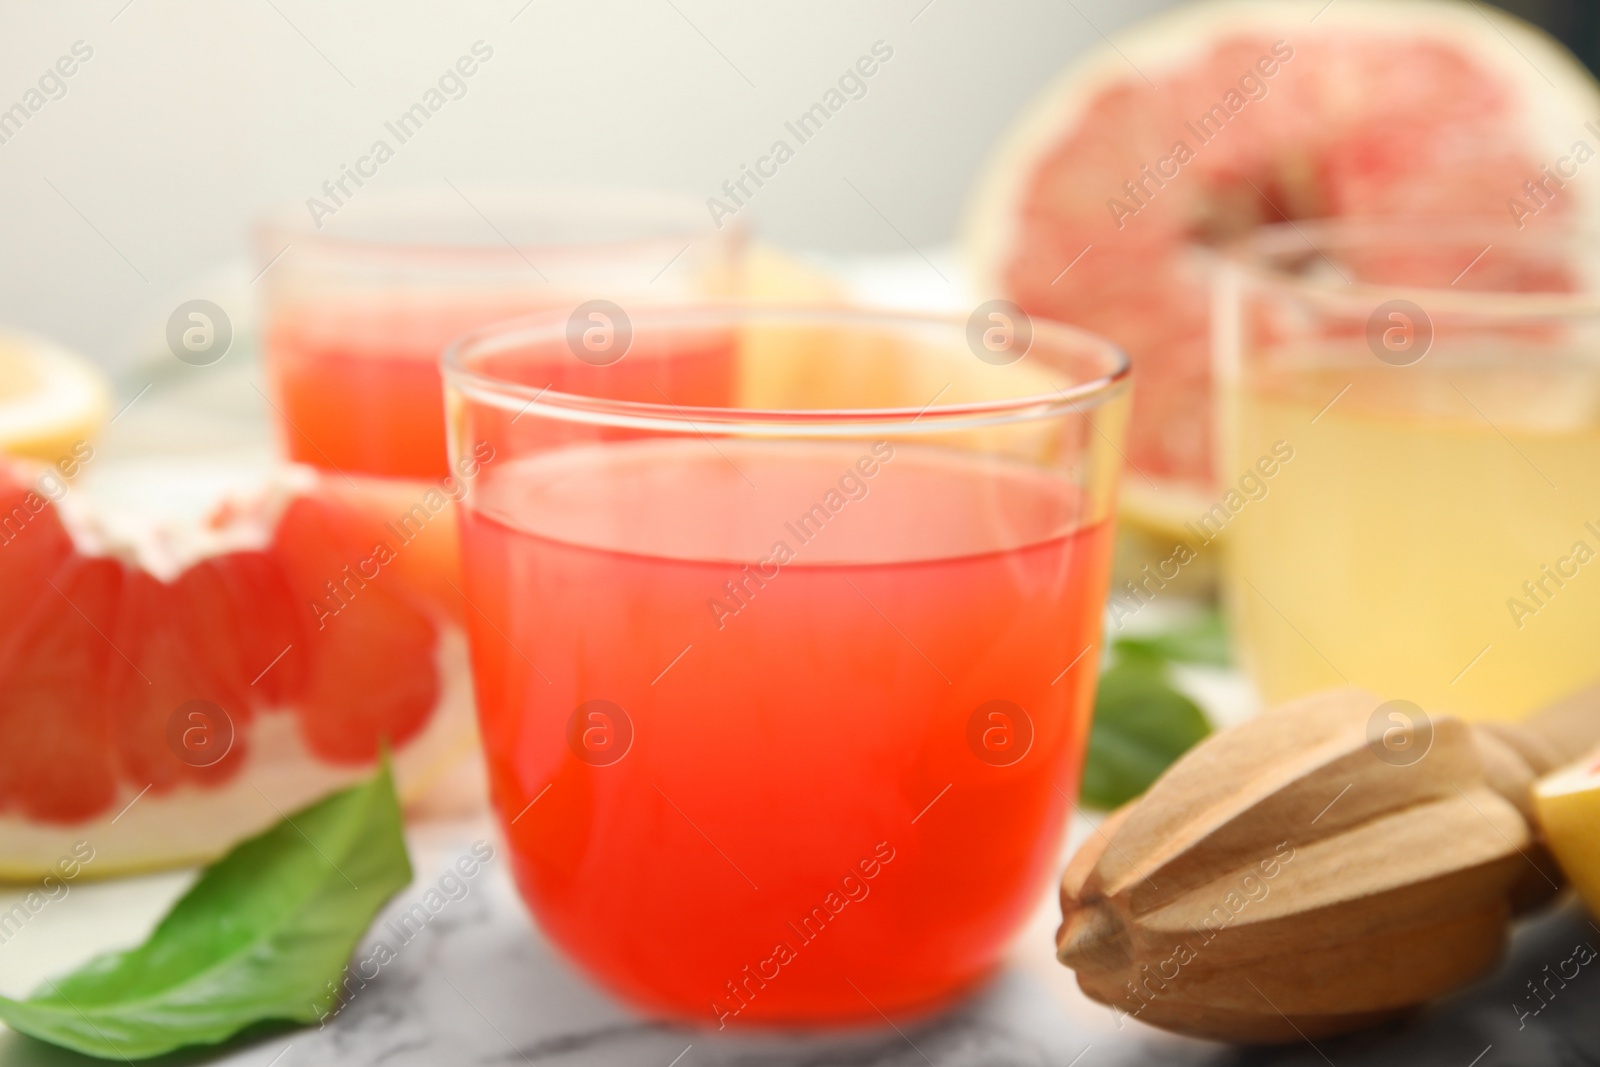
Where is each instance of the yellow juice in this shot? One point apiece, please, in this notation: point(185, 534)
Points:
point(1436, 537)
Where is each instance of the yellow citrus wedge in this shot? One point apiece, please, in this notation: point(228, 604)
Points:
point(50, 398)
point(1568, 806)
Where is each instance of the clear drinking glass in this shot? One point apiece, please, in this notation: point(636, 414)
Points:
point(784, 695)
point(358, 305)
point(1412, 477)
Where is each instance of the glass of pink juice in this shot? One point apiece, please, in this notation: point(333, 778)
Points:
point(783, 697)
point(361, 300)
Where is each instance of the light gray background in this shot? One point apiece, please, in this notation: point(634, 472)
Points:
point(194, 116)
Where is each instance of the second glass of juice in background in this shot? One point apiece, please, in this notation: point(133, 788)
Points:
point(784, 696)
point(1412, 415)
point(359, 304)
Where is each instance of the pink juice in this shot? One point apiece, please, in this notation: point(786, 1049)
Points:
point(358, 386)
point(782, 731)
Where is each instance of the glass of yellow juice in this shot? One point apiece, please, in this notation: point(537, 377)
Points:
point(1410, 496)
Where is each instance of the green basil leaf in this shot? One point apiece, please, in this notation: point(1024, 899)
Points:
point(264, 934)
point(1204, 640)
point(1141, 725)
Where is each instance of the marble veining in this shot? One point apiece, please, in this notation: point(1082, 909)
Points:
point(477, 986)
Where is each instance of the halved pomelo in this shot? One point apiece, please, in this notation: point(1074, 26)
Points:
point(1202, 124)
point(174, 679)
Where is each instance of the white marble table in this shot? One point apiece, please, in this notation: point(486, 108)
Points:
point(480, 986)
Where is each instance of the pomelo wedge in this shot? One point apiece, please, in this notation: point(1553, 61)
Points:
point(1204, 123)
point(264, 608)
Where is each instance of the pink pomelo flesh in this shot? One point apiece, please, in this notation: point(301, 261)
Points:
point(1248, 128)
point(97, 654)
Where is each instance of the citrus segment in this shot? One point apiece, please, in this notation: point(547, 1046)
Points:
point(246, 625)
point(33, 543)
point(371, 676)
point(160, 666)
point(56, 759)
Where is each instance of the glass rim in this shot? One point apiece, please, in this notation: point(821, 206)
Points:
point(1258, 255)
point(659, 215)
point(551, 326)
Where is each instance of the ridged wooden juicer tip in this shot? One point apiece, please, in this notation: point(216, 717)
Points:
point(1293, 877)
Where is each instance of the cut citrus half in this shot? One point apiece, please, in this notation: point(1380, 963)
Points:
point(50, 398)
point(1568, 807)
point(1202, 124)
point(173, 682)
